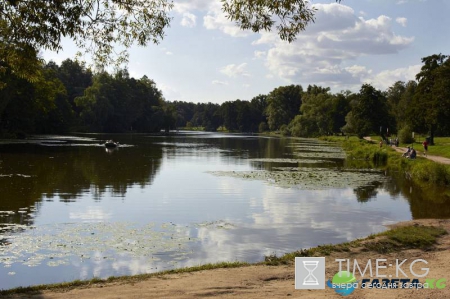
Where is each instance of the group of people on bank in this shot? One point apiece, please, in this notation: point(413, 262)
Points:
point(410, 153)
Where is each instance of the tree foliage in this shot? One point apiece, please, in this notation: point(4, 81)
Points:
point(430, 103)
point(99, 27)
point(288, 17)
point(107, 28)
point(321, 113)
point(283, 103)
point(369, 113)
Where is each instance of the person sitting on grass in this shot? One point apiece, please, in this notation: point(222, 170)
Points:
point(406, 154)
point(413, 154)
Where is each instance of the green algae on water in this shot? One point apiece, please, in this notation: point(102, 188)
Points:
point(309, 178)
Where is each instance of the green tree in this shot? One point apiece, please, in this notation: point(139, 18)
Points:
point(75, 77)
point(283, 103)
point(289, 17)
point(426, 109)
point(369, 113)
point(441, 95)
point(400, 97)
point(97, 26)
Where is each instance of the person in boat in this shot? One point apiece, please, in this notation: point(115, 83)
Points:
point(111, 143)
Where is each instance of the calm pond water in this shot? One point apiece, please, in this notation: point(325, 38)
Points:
point(71, 209)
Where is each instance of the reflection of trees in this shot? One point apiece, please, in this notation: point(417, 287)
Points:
point(365, 193)
point(425, 201)
point(32, 172)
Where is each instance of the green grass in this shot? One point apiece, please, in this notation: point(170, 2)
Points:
point(397, 239)
point(407, 237)
point(360, 150)
point(441, 147)
point(321, 250)
point(420, 170)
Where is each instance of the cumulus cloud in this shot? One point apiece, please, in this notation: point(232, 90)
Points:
point(320, 54)
point(216, 19)
point(386, 78)
point(189, 20)
point(217, 82)
point(260, 54)
point(182, 6)
point(233, 70)
point(402, 21)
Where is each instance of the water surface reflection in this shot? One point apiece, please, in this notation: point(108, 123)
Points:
point(69, 209)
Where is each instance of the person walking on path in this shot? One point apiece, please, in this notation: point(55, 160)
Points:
point(425, 148)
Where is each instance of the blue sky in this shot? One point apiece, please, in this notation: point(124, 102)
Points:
point(206, 58)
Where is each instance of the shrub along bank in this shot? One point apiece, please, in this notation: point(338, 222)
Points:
point(363, 154)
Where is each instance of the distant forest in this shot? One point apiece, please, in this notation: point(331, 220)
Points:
point(70, 97)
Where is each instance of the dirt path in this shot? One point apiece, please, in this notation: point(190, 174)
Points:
point(256, 282)
point(437, 159)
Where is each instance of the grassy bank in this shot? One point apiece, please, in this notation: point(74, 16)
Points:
point(397, 239)
point(362, 153)
point(394, 240)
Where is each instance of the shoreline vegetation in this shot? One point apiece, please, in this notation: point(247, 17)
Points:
point(362, 153)
point(397, 238)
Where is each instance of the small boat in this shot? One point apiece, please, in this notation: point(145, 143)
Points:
point(111, 144)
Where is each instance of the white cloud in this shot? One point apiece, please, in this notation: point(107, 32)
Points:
point(246, 85)
point(169, 53)
point(182, 6)
point(260, 54)
point(319, 54)
point(402, 21)
point(216, 19)
point(217, 82)
point(408, 1)
point(189, 20)
point(387, 78)
point(233, 70)
point(170, 92)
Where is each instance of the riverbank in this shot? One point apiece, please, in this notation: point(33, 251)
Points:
point(362, 153)
point(409, 240)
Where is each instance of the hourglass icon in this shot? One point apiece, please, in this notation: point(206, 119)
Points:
point(310, 279)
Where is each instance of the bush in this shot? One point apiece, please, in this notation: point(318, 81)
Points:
point(263, 127)
point(285, 130)
point(405, 135)
point(432, 172)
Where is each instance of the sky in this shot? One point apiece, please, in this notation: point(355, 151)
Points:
point(206, 58)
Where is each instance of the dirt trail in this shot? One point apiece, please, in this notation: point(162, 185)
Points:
point(271, 281)
point(437, 159)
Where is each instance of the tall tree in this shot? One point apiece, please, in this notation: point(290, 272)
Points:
point(283, 103)
point(426, 105)
point(369, 113)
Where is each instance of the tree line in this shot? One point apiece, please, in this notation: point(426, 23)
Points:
point(70, 97)
point(421, 105)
